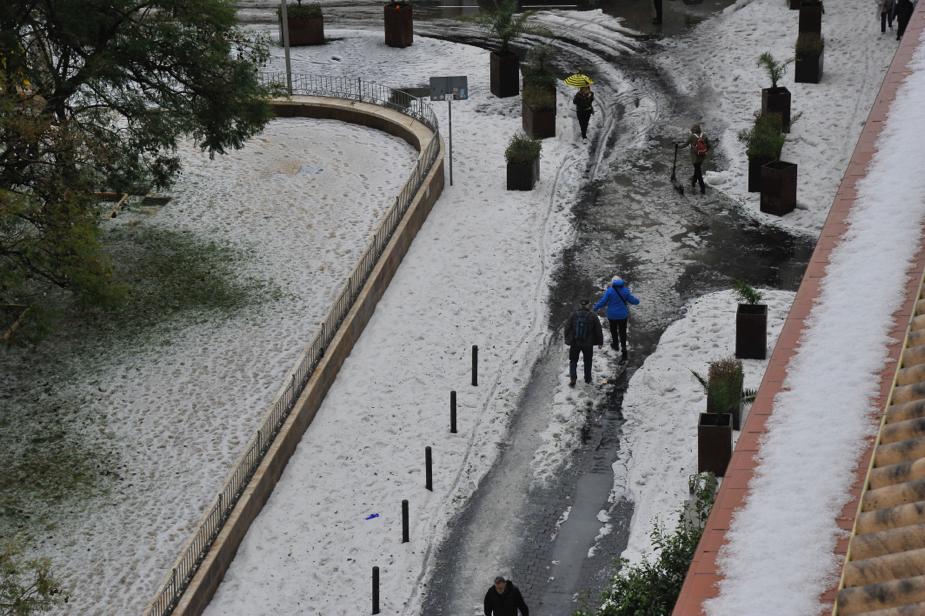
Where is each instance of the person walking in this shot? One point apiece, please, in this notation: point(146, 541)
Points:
point(699, 146)
point(657, 20)
point(582, 332)
point(886, 14)
point(504, 599)
point(904, 10)
point(617, 299)
point(584, 107)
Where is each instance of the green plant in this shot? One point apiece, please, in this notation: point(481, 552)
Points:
point(724, 385)
point(504, 23)
point(809, 45)
point(652, 587)
point(746, 293)
point(522, 149)
point(775, 69)
point(538, 97)
point(538, 68)
point(302, 11)
point(26, 586)
point(765, 139)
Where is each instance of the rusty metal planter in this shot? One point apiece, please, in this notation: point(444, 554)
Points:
point(714, 443)
point(399, 24)
point(752, 331)
point(304, 30)
point(523, 176)
point(777, 100)
point(505, 74)
point(778, 187)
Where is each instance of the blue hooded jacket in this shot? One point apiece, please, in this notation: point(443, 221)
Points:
point(616, 299)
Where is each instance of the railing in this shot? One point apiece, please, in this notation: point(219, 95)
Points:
point(338, 87)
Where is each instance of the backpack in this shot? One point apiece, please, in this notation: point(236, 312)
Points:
point(700, 146)
point(583, 329)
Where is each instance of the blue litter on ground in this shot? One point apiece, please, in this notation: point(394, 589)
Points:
point(372, 515)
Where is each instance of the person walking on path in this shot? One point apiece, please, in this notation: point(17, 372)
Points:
point(700, 146)
point(617, 299)
point(904, 10)
point(582, 332)
point(584, 107)
point(886, 14)
point(504, 599)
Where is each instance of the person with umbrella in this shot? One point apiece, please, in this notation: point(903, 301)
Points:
point(584, 100)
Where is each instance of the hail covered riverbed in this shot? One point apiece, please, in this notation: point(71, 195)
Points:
point(114, 443)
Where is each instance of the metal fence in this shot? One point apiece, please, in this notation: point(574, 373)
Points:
point(338, 87)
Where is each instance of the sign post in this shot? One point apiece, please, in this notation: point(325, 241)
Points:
point(284, 20)
point(449, 88)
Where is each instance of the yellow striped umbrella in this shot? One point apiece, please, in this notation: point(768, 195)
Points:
point(578, 80)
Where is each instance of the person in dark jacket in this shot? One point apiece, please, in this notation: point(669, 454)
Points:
point(584, 107)
point(904, 10)
point(699, 146)
point(582, 332)
point(887, 7)
point(617, 299)
point(503, 599)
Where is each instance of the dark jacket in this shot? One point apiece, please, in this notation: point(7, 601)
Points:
point(584, 104)
point(597, 332)
point(506, 604)
point(616, 299)
point(904, 11)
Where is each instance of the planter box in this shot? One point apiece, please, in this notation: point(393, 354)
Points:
point(304, 31)
point(794, 4)
point(754, 172)
point(399, 24)
point(752, 331)
point(777, 100)
point(539, 123)
point(778, 187)
point(810, 17)
point(522, 176)
point(808, 69)
point(714, 443)
point(505, 74)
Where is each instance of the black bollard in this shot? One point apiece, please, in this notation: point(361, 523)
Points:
point(475, 365)
point(375, 590)
point(404, 521)
point(453, 412)
point(428, 469)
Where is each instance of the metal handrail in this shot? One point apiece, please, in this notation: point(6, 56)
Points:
point(195, 550)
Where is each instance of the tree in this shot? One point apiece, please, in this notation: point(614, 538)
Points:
point(26, 587)
point(94, 96)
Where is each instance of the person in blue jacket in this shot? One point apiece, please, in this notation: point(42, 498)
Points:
point(617, 299)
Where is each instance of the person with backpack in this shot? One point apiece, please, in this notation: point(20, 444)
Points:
point(700, 146)
point(617, 299)
point(904, 10)
point(584, 107)
point(582, 332)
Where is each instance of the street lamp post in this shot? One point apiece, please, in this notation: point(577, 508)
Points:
point(285, 29)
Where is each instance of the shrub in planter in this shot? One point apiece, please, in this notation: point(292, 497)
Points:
point(763, 144)
point(775, 99)
point(751, 323)
point(811, 16)
point(539, 111)
point(778, 187)
point(714, 443)
point(306, 24)
point(523, 162)
point(809, 54)
point(398, 20)
point(503, 24)
point(724, 389)
point(537, 69)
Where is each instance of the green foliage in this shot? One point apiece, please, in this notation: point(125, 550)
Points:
point(302, 11)
point(539, 97)
point(26, 586)
point(766, 139)
point(112, 86)
point(522, 149)
point(746, 293)
point(651, 588)
point(538, 69)
point(809, 45)
point(503, 23)
point(775, 69)
point(724, 385)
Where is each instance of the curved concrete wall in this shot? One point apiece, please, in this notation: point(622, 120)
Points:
point(210, 573)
